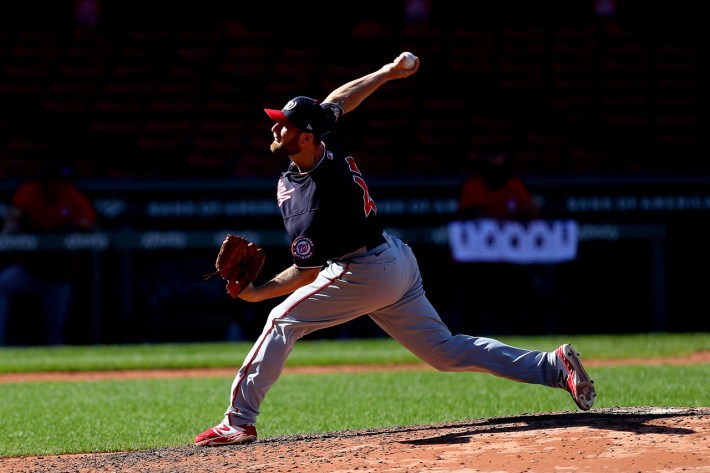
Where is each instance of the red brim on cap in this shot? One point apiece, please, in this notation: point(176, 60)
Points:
point(276, 115)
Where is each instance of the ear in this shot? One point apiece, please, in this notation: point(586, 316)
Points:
point(307, 137)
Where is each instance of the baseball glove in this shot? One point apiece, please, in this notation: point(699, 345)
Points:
point(238, 262)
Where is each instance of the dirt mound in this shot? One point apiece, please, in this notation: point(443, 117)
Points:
point(644, 439)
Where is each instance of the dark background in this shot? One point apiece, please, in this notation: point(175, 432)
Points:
point(162, 102)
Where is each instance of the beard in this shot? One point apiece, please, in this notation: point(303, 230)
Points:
point(284, 149)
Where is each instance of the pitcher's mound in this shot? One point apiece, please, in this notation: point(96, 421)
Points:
point(643, 439)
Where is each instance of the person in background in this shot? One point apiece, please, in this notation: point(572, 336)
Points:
point(48, 205)
point(506, 291)
point(494, 191)
point(87, 13)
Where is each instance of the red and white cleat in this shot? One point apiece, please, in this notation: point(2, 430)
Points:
point(574, 379)
point(225, 434)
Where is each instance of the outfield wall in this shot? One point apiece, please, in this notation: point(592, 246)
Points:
point(640, 246)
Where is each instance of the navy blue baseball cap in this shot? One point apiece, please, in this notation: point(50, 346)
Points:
point(303, 112)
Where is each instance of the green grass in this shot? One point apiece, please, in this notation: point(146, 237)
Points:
point(63, 417)
point(319, 352)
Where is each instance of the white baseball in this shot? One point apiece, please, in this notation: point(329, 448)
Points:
point(409, 59)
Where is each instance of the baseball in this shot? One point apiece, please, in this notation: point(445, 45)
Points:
point(409, 59)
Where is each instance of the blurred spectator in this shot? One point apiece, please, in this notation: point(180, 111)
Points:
point(417, 11)
point(50, 204)
point(605, 9)
point(87, 13)
point(606, 12)
point(500, 291)
point(494, 191)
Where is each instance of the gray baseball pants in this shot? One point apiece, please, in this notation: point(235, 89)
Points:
point(385, 283)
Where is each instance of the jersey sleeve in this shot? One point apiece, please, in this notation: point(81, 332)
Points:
point(304, 252)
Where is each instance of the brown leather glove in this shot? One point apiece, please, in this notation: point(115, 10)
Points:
point(239, 262)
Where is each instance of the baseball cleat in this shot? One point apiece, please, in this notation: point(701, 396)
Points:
point(576, 381)
point(225, 434)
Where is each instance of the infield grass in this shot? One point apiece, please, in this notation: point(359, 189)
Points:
point(101, 416)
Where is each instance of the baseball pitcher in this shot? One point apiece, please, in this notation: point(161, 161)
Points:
point(345, 266)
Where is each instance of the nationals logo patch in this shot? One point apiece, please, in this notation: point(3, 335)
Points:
point(302, 248)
